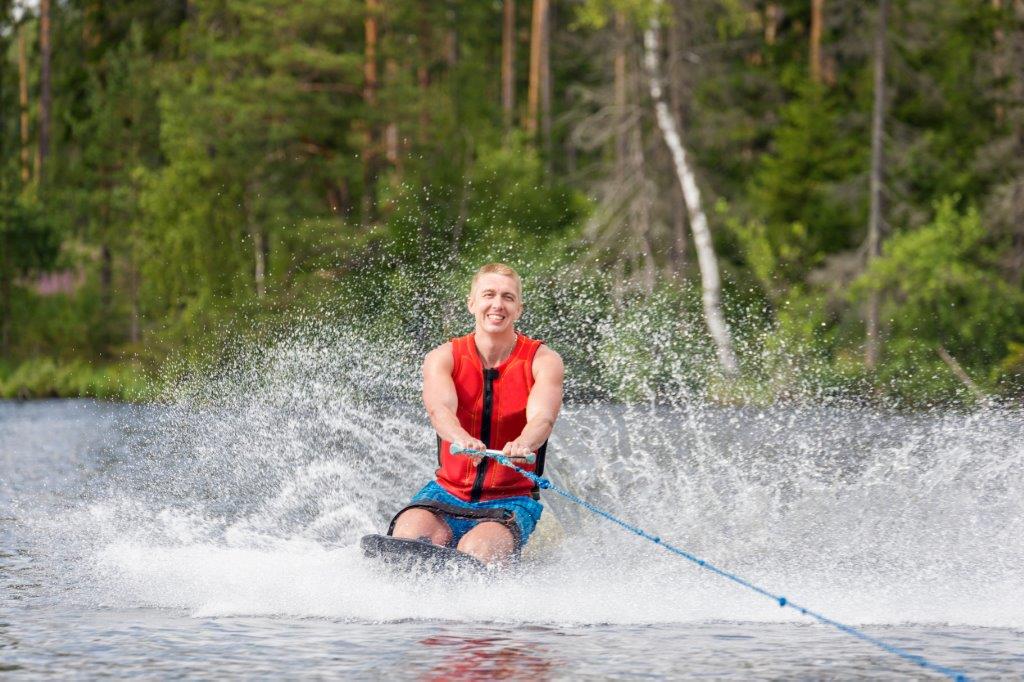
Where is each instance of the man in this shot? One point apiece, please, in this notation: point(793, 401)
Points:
point(493, 388)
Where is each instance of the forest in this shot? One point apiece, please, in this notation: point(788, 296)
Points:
point(840, 180)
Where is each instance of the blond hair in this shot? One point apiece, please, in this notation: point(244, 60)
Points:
point(497, 269)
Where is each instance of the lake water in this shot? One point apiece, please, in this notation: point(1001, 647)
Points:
point(215, 537)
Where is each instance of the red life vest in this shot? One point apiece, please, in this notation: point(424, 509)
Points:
point(492, 407)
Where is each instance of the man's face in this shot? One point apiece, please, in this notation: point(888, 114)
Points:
point(495, 303)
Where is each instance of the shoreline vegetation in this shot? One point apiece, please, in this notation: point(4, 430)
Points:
point(763, 199)
point(44, 378)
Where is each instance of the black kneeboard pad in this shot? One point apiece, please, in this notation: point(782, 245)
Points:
point(413, 555)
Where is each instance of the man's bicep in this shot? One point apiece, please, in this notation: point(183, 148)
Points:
point(438, 387)
point(546, 394)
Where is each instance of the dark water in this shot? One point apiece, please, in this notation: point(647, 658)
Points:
point(215, 538)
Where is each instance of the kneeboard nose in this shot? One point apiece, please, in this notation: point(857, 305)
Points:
point(413, 555)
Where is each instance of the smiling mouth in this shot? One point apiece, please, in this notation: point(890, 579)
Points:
point(495, 318)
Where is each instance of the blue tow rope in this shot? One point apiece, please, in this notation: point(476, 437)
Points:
point(545, 484)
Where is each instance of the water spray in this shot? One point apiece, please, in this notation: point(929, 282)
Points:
point(782, 601)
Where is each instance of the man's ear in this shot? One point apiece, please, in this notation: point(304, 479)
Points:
point(469, 303)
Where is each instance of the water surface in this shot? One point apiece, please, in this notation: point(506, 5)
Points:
point(216, 536)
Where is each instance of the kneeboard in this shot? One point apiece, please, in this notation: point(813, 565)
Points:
point(414, 555)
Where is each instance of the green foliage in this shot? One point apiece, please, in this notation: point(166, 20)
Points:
point(28, 245)
point(45, 378)
point(504, 198)
point(798, 193)
point(28, 241)
point(598, 13)
point(942, 288)
point(220, 167)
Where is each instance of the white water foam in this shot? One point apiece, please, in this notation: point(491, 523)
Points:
point(246, 493)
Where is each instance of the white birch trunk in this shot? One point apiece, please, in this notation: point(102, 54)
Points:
point(710, 281)
point(872, 346)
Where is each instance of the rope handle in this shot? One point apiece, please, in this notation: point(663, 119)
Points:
point(529, 458)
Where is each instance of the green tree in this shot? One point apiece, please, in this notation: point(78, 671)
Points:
point(28, 245)
point(801, 190)
point(943, 289)
point(258, 133)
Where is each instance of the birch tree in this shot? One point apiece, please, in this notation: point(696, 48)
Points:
point(706, 259)
point(874, 245)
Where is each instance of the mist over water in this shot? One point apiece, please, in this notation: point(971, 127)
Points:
point(244, 493)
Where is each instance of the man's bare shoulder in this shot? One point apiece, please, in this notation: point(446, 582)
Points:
point(547, 360)
point(440, 358)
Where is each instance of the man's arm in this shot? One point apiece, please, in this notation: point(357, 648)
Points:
point(440, 399)
point(543, 405)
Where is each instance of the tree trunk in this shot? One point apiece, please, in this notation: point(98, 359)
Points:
point(999, 60)
point(772, 17)
point(960, 374)
point(508, 62)
point(105, 232)
point(134, 275)
point(134, 284)
point(677, 89)
point(710, 282)
point(533, 93)
point(45, 93)
point(370, 85)
point(259, 243)
point(370, 53)
point(817, 21)
point(260, 260)
point(135, 323)
point(619, 86)
point(873, 345)
point(423, 72)
point(545, 86)
point(92, 26)
point(106, 269)
point(259, 253)
point(6, 268)
point(451, 44)
point(641, 214)
point(392, 143)
point(338, 197)
point(26, 152)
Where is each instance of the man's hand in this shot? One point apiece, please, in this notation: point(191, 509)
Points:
point(472, 444)
point(517, 449)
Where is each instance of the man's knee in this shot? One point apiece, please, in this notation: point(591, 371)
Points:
point(489, 542)
point(419, 523)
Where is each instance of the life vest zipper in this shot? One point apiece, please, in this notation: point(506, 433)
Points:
point(485, 433)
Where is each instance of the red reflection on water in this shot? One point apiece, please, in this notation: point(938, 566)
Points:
point(474, 658)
